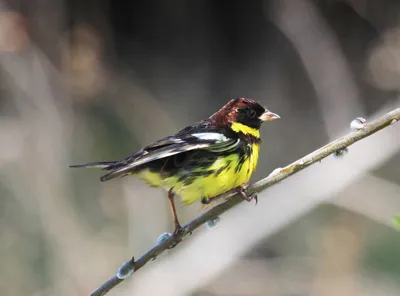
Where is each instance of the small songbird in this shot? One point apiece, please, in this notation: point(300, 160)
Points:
point(201, 161)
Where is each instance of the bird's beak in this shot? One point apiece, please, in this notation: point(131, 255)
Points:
point(268, 115)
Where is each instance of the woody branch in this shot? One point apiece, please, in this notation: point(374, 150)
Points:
point(366, 130)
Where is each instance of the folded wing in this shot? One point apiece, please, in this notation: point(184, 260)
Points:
point(212, 141)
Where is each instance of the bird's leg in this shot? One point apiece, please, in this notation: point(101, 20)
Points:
point(171, 196)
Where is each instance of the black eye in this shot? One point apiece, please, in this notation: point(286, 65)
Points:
point(251, 113)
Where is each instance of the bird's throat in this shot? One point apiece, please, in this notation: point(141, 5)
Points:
point(244, 129)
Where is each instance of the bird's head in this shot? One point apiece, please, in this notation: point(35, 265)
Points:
point(242, 112)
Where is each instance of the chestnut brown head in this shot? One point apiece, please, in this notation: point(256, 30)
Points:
point(245, 111)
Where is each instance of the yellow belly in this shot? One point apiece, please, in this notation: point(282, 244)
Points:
point(225, 178)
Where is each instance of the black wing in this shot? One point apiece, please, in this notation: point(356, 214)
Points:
point(186, 140)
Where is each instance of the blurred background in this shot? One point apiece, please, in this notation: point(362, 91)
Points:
point(96, 80)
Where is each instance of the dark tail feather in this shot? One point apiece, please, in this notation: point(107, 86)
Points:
point(113, 174)
point(96, 165)
point(114, 168)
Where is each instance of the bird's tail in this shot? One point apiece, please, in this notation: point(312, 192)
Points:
point(113, 168)
point(105, 165)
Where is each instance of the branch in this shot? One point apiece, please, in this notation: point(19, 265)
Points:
point(234, 199)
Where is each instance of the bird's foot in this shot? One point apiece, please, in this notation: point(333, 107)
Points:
point(248, 197)
point(178, 229)
point(175, 234)
point(241, 190)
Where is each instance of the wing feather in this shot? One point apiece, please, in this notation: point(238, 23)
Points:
point(170, 146)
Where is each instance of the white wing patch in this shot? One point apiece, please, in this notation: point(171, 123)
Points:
point(165, 152)
point(217, 137)
point(222, 143)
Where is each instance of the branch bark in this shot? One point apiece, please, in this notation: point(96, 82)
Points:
point(234, 199)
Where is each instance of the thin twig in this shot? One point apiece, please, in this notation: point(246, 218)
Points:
point(234, 199)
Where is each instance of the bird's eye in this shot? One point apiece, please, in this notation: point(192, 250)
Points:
point(251, 113)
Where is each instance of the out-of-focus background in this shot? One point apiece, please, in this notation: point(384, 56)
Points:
point(96, 80)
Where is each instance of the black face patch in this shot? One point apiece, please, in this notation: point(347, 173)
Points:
point(242, 110)
point(249, 115)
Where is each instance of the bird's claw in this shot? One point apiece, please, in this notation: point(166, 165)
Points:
point(250, 197)
point(254, 196)
point(241, 190)
point(178, 229)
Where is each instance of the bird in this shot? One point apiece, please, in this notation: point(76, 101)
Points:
point(202, 161)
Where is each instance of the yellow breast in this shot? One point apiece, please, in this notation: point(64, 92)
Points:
point(230, 172)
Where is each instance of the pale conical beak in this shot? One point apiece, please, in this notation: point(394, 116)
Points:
point(268, 115)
